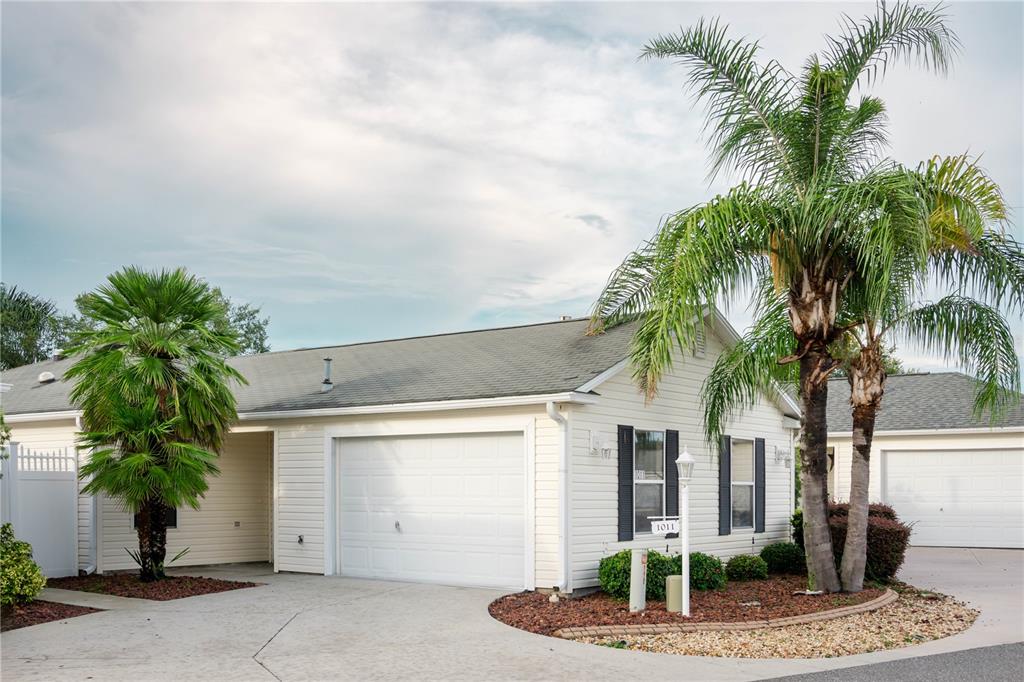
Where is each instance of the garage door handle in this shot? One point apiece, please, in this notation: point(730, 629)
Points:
point(398, 526)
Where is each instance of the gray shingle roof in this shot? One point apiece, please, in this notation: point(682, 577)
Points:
point(536, 359)
point(919, 401)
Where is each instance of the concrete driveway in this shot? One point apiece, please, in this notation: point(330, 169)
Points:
point(314, 628)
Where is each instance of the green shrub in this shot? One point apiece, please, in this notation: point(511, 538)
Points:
point(659, 567)
point(706, 572)
point(20, 578)
point(785, 558)
point(746, 567)
point(613, 574)
point(887, 538)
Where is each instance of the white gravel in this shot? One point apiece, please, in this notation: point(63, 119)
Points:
point(910, 620)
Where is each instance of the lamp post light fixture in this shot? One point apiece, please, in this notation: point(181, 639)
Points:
point(684, 466)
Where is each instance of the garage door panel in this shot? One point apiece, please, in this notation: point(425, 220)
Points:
point(968, 498)
point(459, 502)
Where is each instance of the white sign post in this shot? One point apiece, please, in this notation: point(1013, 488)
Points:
point(684, 466)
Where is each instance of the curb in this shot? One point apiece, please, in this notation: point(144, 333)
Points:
point(656, 629)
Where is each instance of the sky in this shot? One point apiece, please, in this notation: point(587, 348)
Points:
point(370, 171)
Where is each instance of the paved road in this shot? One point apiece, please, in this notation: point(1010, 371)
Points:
point(1004, 663)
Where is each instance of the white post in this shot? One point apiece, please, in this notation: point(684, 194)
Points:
point(638, 581)
point(684, 535)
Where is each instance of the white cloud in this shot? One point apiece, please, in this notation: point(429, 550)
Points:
point(379, 169)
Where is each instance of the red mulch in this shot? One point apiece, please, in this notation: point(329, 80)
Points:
point(533, 612)
point(129, 585)
point(36, 612)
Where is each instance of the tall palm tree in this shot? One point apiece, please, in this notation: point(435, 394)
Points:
point(154, 389)
point(970, 255)
point(818, 204)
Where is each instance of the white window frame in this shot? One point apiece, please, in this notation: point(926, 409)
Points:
point(646, 482)
point(733, 483)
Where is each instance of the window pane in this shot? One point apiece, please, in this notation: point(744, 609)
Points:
point(647, 500)
point(743, 506)
point(650, 455)
point(742, 461)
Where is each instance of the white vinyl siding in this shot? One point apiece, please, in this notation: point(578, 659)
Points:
point(54, 435)
point(241, 493)
point(594, 472)
point(300, 474)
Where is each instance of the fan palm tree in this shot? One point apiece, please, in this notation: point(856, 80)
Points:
point(818, 204)
point(154, 389)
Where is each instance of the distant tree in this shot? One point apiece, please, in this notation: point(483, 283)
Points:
point(29, 328)
point(246, 322)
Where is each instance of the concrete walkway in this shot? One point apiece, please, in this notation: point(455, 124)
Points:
point(299, 627)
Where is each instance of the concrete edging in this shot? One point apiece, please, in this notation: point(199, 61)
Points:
point(885, 599)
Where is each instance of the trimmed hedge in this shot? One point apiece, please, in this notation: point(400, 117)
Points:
point(888, 538)
point(706, 573)
point(784, 558)
point(21, 580)
point(887, 545)
point(746, 567)
point(875, 509)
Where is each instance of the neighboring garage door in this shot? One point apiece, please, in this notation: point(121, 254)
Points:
point(958, 498)
point(441, 509)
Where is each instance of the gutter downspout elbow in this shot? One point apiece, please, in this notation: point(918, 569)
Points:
point(563, 494)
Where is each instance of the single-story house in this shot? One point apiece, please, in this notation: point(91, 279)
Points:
point(514, 457)
point(958, 479)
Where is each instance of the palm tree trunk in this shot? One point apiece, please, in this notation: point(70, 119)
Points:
point(821, 565)
point(151, 529)
point(867, 381)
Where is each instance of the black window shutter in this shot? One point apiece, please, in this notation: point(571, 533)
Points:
point(759, 485)
point(671, 476)
point(725, 486)
point(625, 483)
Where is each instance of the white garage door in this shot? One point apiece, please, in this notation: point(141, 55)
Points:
point(440, 509)
point(958, 498)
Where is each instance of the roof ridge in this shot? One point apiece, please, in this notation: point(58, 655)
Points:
point(419, 336)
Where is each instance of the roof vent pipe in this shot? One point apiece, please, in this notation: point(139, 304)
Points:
point(326, 385)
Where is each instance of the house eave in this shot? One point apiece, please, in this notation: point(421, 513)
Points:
point(933, 432)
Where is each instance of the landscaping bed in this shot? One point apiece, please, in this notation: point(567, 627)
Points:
point(36, 612)
point(129, 585)
point(914, 618)
point(755, 600)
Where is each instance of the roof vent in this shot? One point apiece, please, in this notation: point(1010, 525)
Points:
point(564, 318)
point(326, 384)
point(47, 377)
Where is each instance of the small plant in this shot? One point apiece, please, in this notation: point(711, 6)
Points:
point(784, 558)
point(21, 581)
point(137, 558)
point(617, 644)
point(746, 567)
point(706, 572)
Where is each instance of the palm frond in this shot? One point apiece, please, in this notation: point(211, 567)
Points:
point(897, 32)
point(978, 337)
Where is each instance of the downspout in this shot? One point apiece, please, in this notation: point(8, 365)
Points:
point(563, 494)
point(91, 567)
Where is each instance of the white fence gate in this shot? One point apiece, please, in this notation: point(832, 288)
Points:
point(40, 499)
